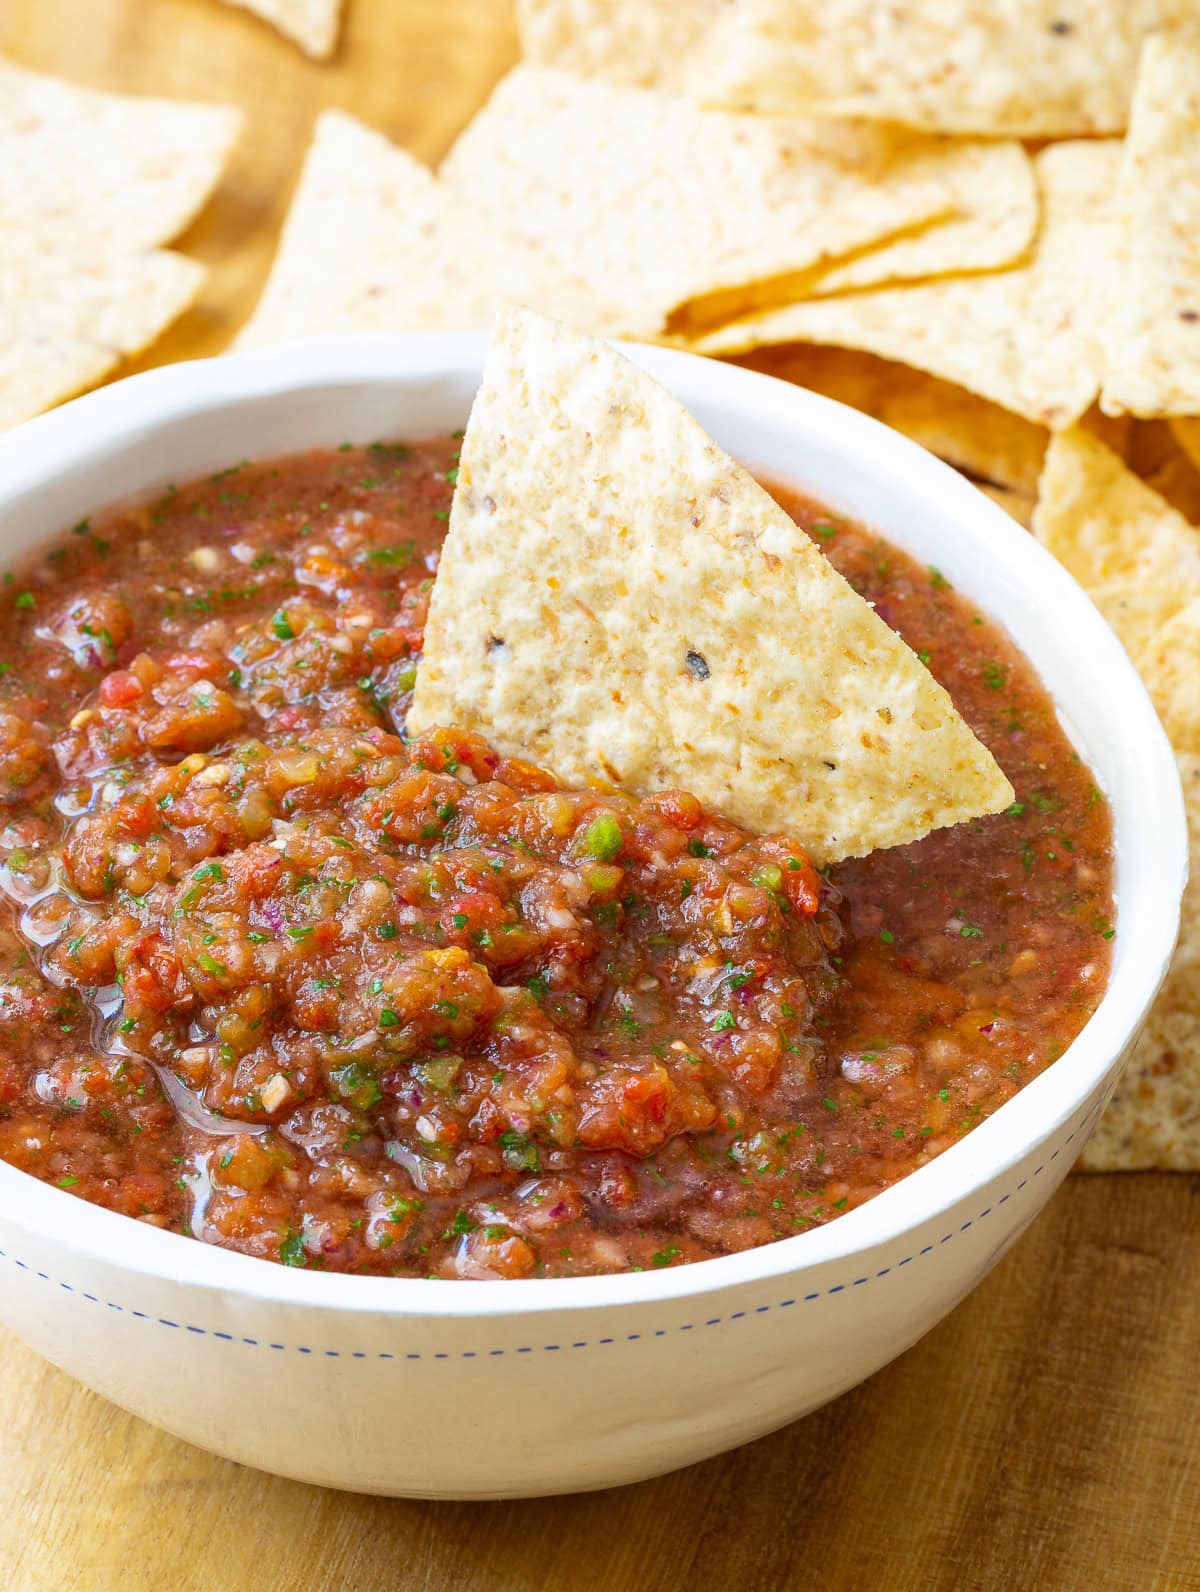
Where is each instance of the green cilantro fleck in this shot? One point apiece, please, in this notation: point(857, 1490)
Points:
point(291, 1251)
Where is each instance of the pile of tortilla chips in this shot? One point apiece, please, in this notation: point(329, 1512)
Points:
point(90, 185)
point(1023, 68)
point(838, 192)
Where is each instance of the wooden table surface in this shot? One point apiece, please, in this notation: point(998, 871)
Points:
point(1046, 1436)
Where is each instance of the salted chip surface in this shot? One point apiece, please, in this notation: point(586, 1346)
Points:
point(65, 324)
point(1152, 336)
point(312, 24)
point(621, 602)
point(86, 170)
point(658, 204)
point(1026, 68)
point(651, 43)
point(374, 242)
point(1153, 1120)
point(1138, 559)
point(1028, 338)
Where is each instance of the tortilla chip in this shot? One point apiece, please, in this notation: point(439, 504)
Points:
point(993, 221)
point(620, 601)
point(65, 324)
point(660, 205)
point(1027, 338)
point(977, 437)
point(1153, 1120)
point(1137, 558)
point(312, 24)
point(1170, 666)
point(1025, 68)
point(87, 171)
point(373, 242)
point(1152, 336)
point(648, 43)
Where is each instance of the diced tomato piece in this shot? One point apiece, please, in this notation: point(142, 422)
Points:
point(802, 886)
point(119, 689)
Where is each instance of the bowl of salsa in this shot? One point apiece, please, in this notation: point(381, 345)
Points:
point(364, 1089)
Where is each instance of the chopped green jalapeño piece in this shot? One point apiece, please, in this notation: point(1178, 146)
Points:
point(602, 838)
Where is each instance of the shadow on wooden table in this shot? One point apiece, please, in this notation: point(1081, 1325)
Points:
point(1046, 1435)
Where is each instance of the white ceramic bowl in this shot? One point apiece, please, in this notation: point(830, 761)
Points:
point(475, 1389)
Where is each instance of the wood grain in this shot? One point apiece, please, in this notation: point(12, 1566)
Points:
point(1046, 1436)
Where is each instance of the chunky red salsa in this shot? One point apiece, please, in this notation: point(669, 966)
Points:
point(275, 977)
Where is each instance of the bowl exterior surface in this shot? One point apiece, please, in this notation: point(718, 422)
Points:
point(508, 1407)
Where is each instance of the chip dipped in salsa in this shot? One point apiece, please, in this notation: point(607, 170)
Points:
point(282, 979)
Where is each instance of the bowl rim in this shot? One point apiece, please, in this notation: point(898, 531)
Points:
point(79, 434)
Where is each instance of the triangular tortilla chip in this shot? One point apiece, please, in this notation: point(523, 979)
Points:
point(1152, 336)
point(620, 601)
point(1154, 1118)
point(650, 43)
point(1029, 68)
point(1027, 338)
point(64, 325)
point(88, 171)
point(1137, 558)
point(373, 242)
point(312, 24)
point(658, 204)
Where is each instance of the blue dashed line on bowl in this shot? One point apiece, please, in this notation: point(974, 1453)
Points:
point(551, 1348)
